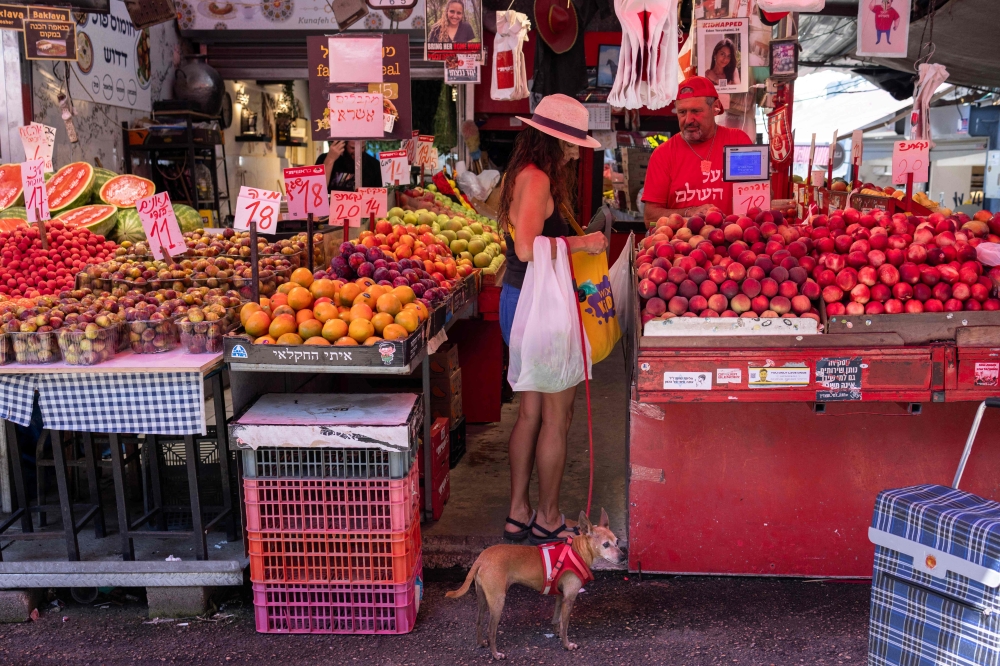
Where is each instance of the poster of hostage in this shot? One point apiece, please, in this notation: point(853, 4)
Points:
point(453, 27)
point(723, 56)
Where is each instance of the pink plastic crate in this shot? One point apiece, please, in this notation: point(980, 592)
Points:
point(349, 608)
point(331, 505)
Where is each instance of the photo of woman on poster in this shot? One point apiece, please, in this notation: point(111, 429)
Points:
point(723, 67)
point(453, 27)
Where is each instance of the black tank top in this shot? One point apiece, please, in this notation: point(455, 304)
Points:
point(554, 227)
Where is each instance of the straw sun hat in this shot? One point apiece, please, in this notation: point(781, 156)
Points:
point(564, 118)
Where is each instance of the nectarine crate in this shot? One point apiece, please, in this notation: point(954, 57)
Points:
point(205, 337)
point(331, 505)
point(266, 285)
point(970, 327)
point(240, 350)
point(88, 348)
point(145, 286)
point(32, 348)
point(6, 349)
point(334, 557)
point(338, 608)
point(153, 337)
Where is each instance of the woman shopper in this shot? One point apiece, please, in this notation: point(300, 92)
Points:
point(452, 26)
point(533, 193)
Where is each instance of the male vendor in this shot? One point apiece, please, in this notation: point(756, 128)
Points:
point(685, 173)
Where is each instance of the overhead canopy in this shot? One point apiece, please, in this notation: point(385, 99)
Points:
point(964, 34)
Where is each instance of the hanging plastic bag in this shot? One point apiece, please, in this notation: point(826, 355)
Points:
point(653, 41)
point(806, 6)
point(478, 186)
point(988, 254)
point(620, 276)
point(546, 351)
point(510, 77)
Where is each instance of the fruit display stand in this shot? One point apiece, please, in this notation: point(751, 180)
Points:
point(732, 471)
point(160, 396)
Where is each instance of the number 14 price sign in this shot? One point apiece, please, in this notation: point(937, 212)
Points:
point(160, 224)
point(259, 207)
point(307, 192)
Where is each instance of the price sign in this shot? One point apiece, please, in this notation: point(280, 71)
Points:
point(751, 195)
point(38, 141)
point(356, 116)
point(160, 224)
point(911, 157)
point(395, 167)
point(857, 146)
point(352, 206)
point(259, 207)
point(410, 146)
point(425, 157)
point(36, 198)
point(307, 192)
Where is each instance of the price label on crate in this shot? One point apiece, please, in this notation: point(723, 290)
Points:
point(307, 192)
point(36, 198)
point(160, 224)
point(911, 157)
point(352, 206)
point(395, 167)
point(259, 207)
point(751, 195)
point(38, 141)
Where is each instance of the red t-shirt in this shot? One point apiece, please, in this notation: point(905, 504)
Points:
point(674, 177)
point(884, 18)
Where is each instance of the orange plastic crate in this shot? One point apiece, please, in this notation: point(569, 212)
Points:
point(328, 557)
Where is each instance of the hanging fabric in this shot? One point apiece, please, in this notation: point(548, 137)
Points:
point(510, 77)
point(647, 68)
point(931, 78)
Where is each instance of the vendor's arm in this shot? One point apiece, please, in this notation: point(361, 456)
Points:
point(653, 212)
point(528, 212)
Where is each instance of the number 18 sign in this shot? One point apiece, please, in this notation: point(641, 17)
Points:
point(751, 195)
point(307, 192)
point(160, 224)
point(257, 206)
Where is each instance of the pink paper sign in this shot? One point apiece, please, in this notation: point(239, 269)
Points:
point(259, 207)
point(36, 198)
point(751, 195)
point(352, 206)
point(307, 192)
point(911, 157)
point(356, 116)
point(38, 141)
point(395, 167)
point(160, 224)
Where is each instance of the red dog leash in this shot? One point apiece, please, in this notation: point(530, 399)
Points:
point(586, 380)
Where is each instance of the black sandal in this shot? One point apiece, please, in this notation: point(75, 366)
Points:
point(523, 530)
point(551, 536)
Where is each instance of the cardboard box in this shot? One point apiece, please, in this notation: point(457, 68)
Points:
point(440, 492)
point(635, 161)
point(445, 361)
point(441, 444)
point(444, 387)
point(449, 409)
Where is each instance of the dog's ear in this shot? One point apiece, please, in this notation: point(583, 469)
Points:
point(604, 519)
point(584, 525)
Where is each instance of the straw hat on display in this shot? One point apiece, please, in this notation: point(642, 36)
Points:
point(556, 23)
point(564, 118)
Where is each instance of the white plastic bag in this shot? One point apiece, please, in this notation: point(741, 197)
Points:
point(620, 277)
point(510, 77)
point(807, 6)
point(546, 352)
point(988, 254)
point(478, 186)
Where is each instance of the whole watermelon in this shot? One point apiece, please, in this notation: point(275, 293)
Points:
point(187, 217)
point(128, 227)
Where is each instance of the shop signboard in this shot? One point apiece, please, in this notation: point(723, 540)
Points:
point(313, 15)
point(115, 61)
point(50, 14)
point(12, 17)
point(49, 40)
point(394, 87)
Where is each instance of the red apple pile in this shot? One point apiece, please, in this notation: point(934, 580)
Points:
point(29, 271)
point(735, 266)
point(874, 263)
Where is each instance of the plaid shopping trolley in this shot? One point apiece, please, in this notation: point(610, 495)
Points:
point(935, 597)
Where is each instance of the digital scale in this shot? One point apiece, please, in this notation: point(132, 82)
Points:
point(746, 163)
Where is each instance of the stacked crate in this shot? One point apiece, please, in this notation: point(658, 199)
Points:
point(446, 396)
point(331, 493)
point(440, 468)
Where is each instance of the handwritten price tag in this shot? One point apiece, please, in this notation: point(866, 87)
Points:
point(751, 195)
point(307, 193)
point(857, 146)
point(352, 206)
point(356, 116)
point(38, 141)
point(259, 207)
point(395, 167)
point(426, 156)
point(911, 157)
point(160, 224)
point(36, 198)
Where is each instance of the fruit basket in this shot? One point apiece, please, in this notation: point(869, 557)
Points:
point(95, 277)
point(35, 348)
point(6, 349)
point(89, 346)
point(204, 337)
point(153, 336)
point(145, 286)
point(267, 284)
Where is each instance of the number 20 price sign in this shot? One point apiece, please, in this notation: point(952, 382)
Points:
point(307, 192)
point(259, 207)
point(910, 157)
point(160, 224)
point(352, 206)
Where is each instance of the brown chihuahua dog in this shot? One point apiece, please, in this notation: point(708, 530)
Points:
point(498, 567)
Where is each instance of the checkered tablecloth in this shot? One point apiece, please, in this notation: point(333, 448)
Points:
point(165, 403)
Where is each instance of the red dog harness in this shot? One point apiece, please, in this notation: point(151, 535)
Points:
point(559, 558)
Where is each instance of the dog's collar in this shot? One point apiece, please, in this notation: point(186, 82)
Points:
point(557, 559)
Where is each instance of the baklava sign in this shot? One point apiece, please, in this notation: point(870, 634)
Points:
point(395, 85)
point(49, 34)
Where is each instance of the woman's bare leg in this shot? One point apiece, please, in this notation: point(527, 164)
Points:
point(521, 453)
point(550, 455)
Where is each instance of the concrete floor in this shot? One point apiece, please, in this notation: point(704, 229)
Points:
point(480, 485)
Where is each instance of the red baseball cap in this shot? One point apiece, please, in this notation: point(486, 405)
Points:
point(696, 86)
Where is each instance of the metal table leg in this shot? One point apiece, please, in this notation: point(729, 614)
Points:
point(19, 489)
point(153, 455)
point(124, 526)
point(65, 502)
point(222, 446)
point(94, 484)
point(200, 542)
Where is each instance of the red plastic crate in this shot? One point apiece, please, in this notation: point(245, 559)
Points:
point(440, 491)
point(338, 608)
point(331, 505)
point(441, 439)
point(333, 557)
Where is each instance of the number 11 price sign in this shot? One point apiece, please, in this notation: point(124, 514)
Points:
point(160, 224)
point(259, 207)
point(307, 192)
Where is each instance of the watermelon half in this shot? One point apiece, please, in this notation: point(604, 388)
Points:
point(13, 218)
point(123, 191)
point(187, 218)
point(11, 192)
point(70, 187)
point(101, 176)
point(98, 219)
point(129, 227)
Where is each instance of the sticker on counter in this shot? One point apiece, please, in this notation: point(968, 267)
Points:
point(728, 376)
point(838, 396)
point(687, 381)
point(777, 377)
point(839, 374)
point(987, 374)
